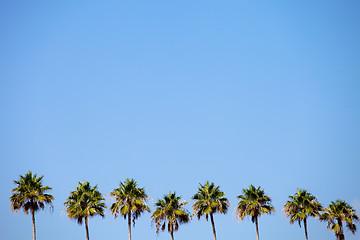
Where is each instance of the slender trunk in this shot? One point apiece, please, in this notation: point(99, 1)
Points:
point(342, 236)
point(87, 229)
point(213, 225)
point(33, 223)
point(172, 235)
point(129, 224)
point(257, 228)
point(305, 226)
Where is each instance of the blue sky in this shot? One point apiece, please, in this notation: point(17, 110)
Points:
point(174, 93)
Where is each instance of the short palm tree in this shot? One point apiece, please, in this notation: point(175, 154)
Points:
point(253, 203)
point(85, 202)
point(301, 206)
point(30, 195)
point(170, 212)
point(130, 202)
point(208, 201)
point(336, 214)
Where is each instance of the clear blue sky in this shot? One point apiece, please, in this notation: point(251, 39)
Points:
point(174, 93)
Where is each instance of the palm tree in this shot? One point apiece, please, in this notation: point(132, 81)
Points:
point(170, 211)
point(209, 200)
point(336, 214)
point(30, 195)
point(83, 203)
point(253, 203)
point(301, 206)
point(130, 201)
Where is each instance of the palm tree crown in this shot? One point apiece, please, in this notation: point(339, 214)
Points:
point(85, 202)
point(30, 196)
point(254, 202)
point(301, 206)
point(336, 214)
point(170, 211)
point(130, 201)
point(209, 200)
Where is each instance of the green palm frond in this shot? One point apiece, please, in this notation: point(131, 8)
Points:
point(29, 194)
point(84, 202)
point(170, 211)
point(129, 199)
point(253, 203)
point(302, 205)
point(338, 213)
point(209, 200)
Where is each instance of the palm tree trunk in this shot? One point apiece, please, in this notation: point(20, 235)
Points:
point(172, 235)
point(33, 223)
point(257, 228)
point(87, 229)
point(129, 224)
point(341, 235)
point(213, 225)
point(305, 227)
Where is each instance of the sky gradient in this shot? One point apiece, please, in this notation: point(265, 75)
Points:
point(174, 93)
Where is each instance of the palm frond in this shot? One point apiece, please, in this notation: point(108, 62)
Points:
point(30, 194)
point(209, 199)
point(253, 202)
point(170, 211)
point(84, 202)
point(338, 213)
point(129, 199)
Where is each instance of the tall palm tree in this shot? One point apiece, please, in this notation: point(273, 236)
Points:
point(253, 203)
point(170, 211)
point(85, 202)
point(130, 201)
point(301, 206)
point(30, 195)
point(336, 214)
point(208, 201)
